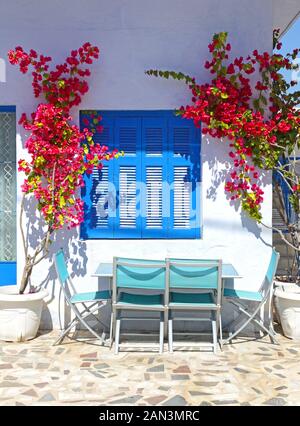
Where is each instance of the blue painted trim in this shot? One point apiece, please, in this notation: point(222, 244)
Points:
point(8, 273)
point(286, 192)
point(7, 108)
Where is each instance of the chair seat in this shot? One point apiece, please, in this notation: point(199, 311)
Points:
point(192, 299)
point(241, 294)
point(92, 296)
point(140, 300)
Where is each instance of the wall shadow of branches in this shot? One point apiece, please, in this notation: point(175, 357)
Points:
point(66, 239)
point(220, 167)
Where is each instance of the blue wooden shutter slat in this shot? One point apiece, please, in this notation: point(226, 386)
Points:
point(184, 176)
point(154, 174)
point(98, 193)
point(127, 176)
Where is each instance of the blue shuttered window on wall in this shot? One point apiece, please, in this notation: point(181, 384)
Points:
point(153, 191)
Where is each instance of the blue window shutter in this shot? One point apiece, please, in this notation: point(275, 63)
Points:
point(98, 193)
point(155, 220)
point(127, 176)
point(153, 191)
point(184, 177)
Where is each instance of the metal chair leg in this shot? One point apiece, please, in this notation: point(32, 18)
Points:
point(103, 335)
point(117, 334)
point(161, 333)
point(111, 329)
point(64, 332)
point(214, 332)
point(170, 334)
point(221, 332)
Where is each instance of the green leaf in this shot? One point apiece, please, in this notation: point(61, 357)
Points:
point(263, 99)
point(62, 202)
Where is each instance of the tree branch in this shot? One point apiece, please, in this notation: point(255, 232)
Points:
point(282, 236)
point(25, 246)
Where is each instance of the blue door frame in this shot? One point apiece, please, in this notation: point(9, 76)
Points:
point(8, 270)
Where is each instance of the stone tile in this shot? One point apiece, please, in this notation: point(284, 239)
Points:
point(206, 384)
point(257, 390)
point(293, 351)
point(275, 401)
point(30, 392)
point(47, 397)
point(198, 393)
point(157, 369)
point(5, 366)
point(41, 385)
point(154, 400)
point(182, 369)
point(176, 400)
point(8, 384)
point(94, 373)
point(280, 388)
point(241, 370)
point(180, 377)
point(42, 366)
point(129, 400)
point(89, 355)
point(278, 367)
point(225, 402)
point(102, 366)
point(164, 388)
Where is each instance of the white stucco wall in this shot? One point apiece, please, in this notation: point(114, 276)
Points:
point(135, 35)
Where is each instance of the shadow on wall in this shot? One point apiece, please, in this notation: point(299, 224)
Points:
point(66, 239)
point(220, 166)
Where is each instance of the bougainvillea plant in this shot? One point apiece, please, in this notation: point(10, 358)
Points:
point(248, 104)
point(59, 152)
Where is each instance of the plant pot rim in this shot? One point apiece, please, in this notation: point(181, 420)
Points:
point(288, 294)
point(9, 294)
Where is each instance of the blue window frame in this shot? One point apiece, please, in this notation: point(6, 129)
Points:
point(8, 197)
point(153, 191)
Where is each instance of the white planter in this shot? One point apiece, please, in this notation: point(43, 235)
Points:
point(287, 304)
point(20, 314)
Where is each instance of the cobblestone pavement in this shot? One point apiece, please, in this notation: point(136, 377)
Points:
point(248, 372)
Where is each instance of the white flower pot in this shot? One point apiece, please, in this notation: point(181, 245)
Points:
point(287, 305)
point(20, 314)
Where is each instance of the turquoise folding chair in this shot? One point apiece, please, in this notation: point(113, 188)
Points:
point(239, 298)
point(91, 302)
point(194, 285)
point(144, 277)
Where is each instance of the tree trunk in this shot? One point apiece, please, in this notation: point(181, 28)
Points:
point(26, 275)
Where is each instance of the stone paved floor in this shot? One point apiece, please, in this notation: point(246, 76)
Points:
point(76, 373)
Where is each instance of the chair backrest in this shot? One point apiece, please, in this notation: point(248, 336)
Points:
point(194, 274)
point(272, 266)
point(271, 271)
point(138, 274)
point(61, 268)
